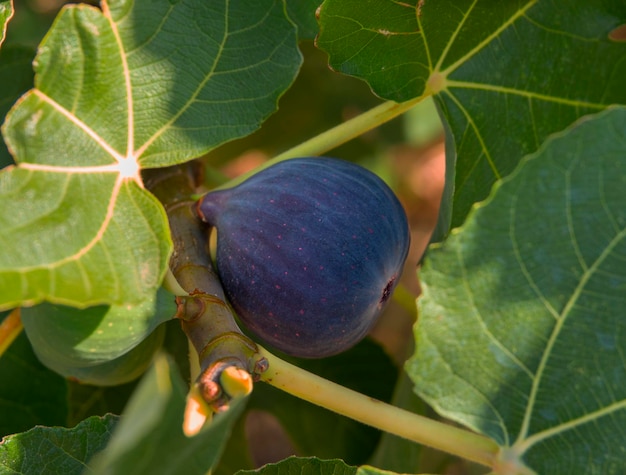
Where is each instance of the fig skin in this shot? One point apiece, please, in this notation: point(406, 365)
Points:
point(309, 251)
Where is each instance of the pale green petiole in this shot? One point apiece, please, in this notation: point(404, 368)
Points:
point(383, 416)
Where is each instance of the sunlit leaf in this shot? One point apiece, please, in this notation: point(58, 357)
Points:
point(117, 90)
point(6, 12)
point(56, 450)
point(98, 238)
point(521, 333)
point(505, 74)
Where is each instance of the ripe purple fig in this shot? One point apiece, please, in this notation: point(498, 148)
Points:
point(308, 251)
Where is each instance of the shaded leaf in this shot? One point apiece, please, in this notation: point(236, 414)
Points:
point(86, 337)
point(302, 13)
point(521, 333)
point(55, 450)
point(117, 90)
point(304, 466)
point(502, 73)
point(30, 394)
point(84, 400)
point(121, 370)
point(313, 466)
point(149, 438)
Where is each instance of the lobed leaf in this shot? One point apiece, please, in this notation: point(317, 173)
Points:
point(56, 450)
point(521, 333)
point(304, 466)
point(117, 90)
point(311, 466)
point(78, 238)
point(505, 75)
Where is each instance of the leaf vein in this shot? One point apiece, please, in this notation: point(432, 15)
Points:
point(488, 39)
point(543, 364)
point(78, 123)
point(570, 425)
point(140, 151)
point(477, 133)
point(524, 93)
point(127, 82)
point(454, 36)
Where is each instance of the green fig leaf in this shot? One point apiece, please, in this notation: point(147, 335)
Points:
point(304, 465)
point(117, 91)
point(30, 394)
point(6, 13)
point(302, 13)
point(521, 328)
point(313, 465)
point(74, 337)
point(56, 450)
point(501, 72)
point(121, 370)
point(151, 426)
point(103, 239)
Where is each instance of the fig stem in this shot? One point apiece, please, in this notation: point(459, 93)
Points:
point(336, 136)
point(10, 328)
point(383, 416)
point(218, 344)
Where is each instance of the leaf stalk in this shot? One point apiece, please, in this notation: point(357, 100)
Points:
point(375, 413)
